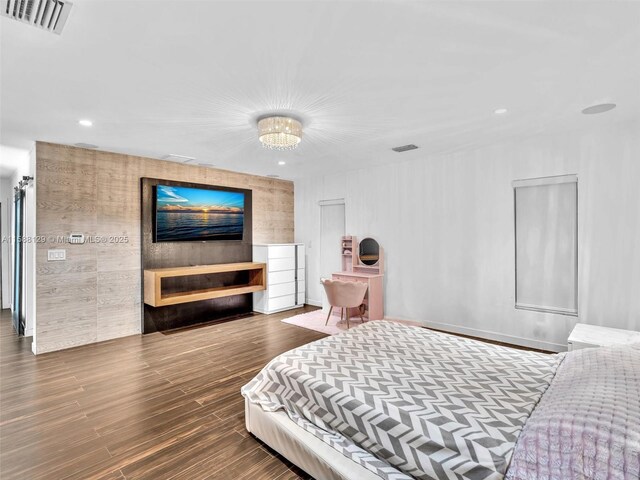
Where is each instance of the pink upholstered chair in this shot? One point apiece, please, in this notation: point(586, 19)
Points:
point(344, 295)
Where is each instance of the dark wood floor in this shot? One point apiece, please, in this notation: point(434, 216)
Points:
point(157, 406)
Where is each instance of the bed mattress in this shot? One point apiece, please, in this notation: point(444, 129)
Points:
point(408, 402)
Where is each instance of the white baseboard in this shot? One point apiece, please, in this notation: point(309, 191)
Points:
point(315, 303)
point(488, 335)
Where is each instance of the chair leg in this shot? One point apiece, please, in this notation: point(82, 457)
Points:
point(347, 319)
point(330, 310)
point(341, 313)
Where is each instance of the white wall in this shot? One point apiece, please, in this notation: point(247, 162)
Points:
point(446, 224)
point(6, 199)
point(23, 164)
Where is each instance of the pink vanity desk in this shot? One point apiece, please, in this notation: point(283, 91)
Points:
point(354, 270)
point(373, 298)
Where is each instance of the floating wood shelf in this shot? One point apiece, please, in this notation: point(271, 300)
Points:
point(153, 283)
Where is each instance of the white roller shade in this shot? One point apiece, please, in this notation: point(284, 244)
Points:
point(546, 226)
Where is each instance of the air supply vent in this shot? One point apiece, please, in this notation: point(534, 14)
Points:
point(405, 148)
point(50, 15)
point(174, 157)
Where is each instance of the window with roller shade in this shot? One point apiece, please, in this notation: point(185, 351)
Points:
point(546, 231)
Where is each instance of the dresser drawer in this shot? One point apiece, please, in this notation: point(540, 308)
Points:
point(282, 302)
point(285, 276)
point(347, 278)
point(282, 251)
point(282, 289)
point(280, 264)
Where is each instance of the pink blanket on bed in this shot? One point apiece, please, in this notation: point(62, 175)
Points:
point(587, 424)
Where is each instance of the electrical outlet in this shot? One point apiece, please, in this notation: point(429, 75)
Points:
point(56, 255)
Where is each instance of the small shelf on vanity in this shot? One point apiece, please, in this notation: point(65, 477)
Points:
point(253, 279)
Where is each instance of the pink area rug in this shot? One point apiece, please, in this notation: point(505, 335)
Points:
point(315, 321)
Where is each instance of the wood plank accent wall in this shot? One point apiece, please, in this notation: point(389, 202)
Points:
point(95, 294)
point(180, 254)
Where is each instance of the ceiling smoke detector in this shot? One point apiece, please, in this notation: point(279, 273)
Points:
point(49, 15)
point(405, 148)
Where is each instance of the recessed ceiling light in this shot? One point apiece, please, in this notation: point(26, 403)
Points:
point(500, 111)
point(600, 108)
point(85, 123)
point(282, 162)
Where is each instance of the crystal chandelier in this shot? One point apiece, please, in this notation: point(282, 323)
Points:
point(279, 133)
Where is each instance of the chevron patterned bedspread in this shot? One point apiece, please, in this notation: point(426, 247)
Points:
point(405, 401)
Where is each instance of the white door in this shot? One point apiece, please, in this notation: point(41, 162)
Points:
point(332, 228)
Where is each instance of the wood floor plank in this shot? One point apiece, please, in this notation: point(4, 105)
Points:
point(182, 455)
point(158, 406)
point(147, 434)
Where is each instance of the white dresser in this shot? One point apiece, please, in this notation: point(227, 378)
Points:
point(586, 336)
point(285, 277)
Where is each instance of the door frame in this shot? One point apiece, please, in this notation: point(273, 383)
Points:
point(17, 310)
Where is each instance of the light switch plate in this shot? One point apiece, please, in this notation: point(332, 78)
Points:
point(56, 255)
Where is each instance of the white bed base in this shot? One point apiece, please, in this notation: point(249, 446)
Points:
point(300, 447)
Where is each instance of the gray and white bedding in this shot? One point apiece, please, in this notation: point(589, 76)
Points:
point(587, 425)
point(409, 402)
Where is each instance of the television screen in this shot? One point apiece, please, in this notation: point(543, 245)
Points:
point(184, 214)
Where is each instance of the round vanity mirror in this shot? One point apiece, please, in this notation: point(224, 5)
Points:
point(369, 251)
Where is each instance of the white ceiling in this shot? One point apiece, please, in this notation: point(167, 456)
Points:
point(190, 77)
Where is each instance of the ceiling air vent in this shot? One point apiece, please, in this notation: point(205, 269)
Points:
point(174, 157)
point(405, 148)
point(49, 15)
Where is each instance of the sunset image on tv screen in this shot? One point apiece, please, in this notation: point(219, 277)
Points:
point(184, 213)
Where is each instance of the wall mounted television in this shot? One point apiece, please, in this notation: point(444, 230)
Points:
point(197, 214)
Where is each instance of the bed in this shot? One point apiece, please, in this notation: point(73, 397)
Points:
point(390, 401)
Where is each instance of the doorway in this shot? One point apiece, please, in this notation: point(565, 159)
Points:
point(332, 229)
